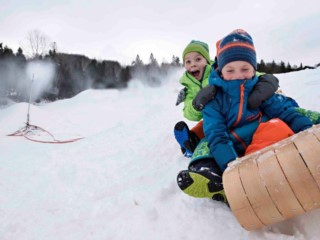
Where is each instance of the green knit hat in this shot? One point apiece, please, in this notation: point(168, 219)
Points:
point(197, 46)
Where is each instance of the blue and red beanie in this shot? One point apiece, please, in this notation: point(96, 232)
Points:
point(237, 46)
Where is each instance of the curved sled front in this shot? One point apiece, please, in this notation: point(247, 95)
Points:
point(276, 183)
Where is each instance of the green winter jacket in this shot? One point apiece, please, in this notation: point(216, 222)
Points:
point(193, 87)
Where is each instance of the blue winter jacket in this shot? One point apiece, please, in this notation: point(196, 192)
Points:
point(229, 124)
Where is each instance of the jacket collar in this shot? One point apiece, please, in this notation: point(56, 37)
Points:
point(231, 86)
point(206, 74)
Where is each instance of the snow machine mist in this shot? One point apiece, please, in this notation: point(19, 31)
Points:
point(35, 133)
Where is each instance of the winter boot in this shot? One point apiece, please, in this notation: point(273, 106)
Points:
point(187, 139)
point(202, 180)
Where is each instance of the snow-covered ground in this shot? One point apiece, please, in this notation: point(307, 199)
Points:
point(119, 182)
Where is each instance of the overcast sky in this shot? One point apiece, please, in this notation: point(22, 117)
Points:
point(121, 29)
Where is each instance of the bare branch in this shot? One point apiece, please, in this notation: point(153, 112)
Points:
point(37, 42)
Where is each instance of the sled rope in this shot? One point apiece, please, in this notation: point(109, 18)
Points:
point(23, 132)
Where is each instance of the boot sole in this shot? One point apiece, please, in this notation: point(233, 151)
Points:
point(199, 187)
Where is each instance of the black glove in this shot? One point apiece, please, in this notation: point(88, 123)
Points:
point(203, 97)
point(266, 86)
point(181, 96)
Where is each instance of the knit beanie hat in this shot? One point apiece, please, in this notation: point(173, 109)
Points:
point(237, 46)
point(197, 46)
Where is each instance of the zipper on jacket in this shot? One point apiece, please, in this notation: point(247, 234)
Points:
point(240, 110)
point(204, 72)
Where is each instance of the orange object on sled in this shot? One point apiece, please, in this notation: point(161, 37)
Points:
point(269, 133)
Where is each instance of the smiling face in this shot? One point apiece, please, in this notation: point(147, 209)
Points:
point(194, 63)
point(237, 70)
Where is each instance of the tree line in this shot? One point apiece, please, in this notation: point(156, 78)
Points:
point(75, 73)
point(281, 67)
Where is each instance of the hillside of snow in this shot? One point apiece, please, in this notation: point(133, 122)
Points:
point(119, 181)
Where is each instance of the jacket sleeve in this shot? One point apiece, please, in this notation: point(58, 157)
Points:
point(188, 110)
point(217, 136)
point(266, 86)
point(279, 106)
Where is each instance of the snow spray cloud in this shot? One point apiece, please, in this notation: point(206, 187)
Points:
point(40, 74)
point(152, 77)
point(15, 79)
point(11, 75)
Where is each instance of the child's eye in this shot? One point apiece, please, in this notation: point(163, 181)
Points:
point(187, 62)
point(198, 59)
point(245, 69)
point(230, 71)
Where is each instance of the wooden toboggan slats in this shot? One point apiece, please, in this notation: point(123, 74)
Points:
point(277, 183)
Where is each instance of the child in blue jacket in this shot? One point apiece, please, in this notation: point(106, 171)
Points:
point(229, 125)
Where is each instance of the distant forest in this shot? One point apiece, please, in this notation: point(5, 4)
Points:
point(75, 73)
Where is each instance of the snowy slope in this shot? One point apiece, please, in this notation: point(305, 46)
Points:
point(119, 182)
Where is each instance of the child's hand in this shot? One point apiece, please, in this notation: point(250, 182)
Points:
point(203, 97)
point(181, 96)
point(264, 88)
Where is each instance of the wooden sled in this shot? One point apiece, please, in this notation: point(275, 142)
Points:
point(276, 183)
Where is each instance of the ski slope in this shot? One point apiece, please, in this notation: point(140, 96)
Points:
point(119, 181)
